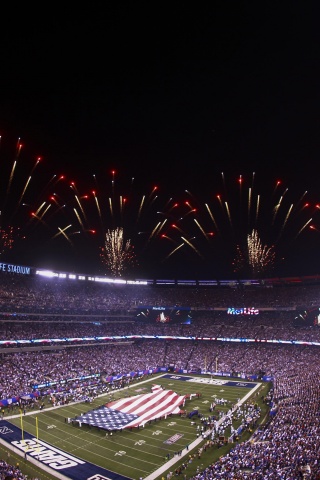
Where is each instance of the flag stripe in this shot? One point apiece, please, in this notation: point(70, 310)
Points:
point(171, 405)
point(157, 403)
point(147, 401)
point(124, 402)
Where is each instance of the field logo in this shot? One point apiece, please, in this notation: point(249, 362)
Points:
point(98, 477)
point(4, 430)
point(173, 439)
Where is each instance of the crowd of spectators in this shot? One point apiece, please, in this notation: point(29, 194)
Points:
point(215, 324)
point(62, 296)
point(287, 447)
point(291, 439)
point(11, 472)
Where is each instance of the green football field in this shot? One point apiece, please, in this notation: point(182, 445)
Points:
point(148, 452)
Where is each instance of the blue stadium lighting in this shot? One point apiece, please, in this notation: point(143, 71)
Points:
point(138, 282)
point(42, 340)
point(105, 280)
point(46, 273)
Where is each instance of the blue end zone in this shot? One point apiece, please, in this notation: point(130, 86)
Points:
point(216, 381)
point(176, 377)
point(59, 461)
point(240, 384)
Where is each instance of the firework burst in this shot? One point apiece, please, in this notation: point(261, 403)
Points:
point(242, 227)
point(117, 254)
point(157, 226)
point(256, 257)
point(40, 211)
point(6, 239)
point(251, 226)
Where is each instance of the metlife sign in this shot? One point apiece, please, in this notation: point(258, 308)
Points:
point(61, 463)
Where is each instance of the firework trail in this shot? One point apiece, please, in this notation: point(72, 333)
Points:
point(28, 217)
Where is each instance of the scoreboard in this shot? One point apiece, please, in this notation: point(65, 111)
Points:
point(164, 315)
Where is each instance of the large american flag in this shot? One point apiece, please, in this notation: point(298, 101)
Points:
point(134, 411)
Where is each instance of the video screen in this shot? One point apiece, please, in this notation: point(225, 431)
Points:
point(307, 317)
point(164, 315)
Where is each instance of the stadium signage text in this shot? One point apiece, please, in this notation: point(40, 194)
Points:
point(8, 267)
point(243, 311)
point(47, 454)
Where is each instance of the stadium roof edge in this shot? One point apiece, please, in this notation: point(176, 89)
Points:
point(21, 270)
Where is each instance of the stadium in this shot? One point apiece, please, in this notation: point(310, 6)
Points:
point(109, 378)
point(159, 242)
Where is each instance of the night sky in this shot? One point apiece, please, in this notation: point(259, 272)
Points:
point(179, 97)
